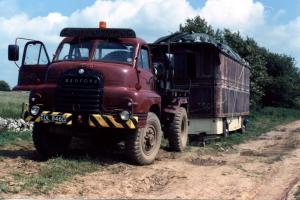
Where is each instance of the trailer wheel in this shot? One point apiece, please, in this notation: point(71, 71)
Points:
point(177, 132)
point(242, 129)
point(143, 145)
point(225, 128)
point(49, 144)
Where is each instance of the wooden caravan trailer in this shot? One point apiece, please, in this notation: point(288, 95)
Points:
point(217, 79)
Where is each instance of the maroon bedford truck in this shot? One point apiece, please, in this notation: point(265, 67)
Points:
point(108, 81)
point(100, 79)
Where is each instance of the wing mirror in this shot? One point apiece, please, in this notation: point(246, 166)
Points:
point(13, 52)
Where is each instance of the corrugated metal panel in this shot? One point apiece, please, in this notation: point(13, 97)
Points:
point(219, 86)
point(232, 86)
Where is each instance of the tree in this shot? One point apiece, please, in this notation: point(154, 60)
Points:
point(4, 86)
point(197, 25)
point(284, 84)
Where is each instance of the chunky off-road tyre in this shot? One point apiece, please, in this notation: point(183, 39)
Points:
point(49, 144)
point(177, 132)
point(143, 145)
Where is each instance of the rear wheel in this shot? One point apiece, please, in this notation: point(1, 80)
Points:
point(143, 145)
point(177, 132)
point(49, 144)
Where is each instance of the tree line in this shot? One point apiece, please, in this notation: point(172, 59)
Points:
point(275, 79)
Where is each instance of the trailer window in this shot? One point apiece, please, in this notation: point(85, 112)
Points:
point(184, 65)
point(206, 60)
point(75, 51)
point(114, 52)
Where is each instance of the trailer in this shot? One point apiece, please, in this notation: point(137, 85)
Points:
point(216, 78)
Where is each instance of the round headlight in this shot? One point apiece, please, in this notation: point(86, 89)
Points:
point(35, 110)
point(124, 115)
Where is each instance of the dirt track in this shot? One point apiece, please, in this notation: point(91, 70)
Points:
point(265, 168)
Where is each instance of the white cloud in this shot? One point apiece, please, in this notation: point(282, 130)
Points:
point(44, 28)
point(282, 38)
point(234, 14)
point(150, 18)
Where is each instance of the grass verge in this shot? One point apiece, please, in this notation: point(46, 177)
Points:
point(11, 104)
point(12, 138)
point(40, 177)
point(53, 172)
point(261, 121)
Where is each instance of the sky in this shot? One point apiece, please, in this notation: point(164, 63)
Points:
point(274, 24)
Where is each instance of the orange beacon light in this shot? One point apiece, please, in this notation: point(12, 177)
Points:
point(102, 24)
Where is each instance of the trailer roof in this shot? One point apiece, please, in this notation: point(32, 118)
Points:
point(98, 33)
point(196, 39)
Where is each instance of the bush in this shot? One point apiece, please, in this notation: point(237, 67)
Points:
point(4, 86)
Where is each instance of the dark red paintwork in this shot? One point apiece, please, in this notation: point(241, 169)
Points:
point(121, 83)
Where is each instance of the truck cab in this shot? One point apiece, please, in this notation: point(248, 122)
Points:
point(99, 79)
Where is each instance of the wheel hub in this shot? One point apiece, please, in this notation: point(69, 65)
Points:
point(149, 140)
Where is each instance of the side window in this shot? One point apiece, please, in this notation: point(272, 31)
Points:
point(35, 55)
point(143, 59)
point(140, 61)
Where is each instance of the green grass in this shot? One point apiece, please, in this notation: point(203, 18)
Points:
point(11, 104)
point(55, 171)
point(4, 187)
point(50, 173)
point(11, 138)
point(261, 121)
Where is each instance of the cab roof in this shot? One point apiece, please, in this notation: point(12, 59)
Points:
point(98, 33)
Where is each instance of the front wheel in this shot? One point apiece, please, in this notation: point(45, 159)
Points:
point(143, 145)
point(49, 144)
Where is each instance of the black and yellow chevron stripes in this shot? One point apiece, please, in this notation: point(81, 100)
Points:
point(95, 120)
point(108, 121)
point(38, 119)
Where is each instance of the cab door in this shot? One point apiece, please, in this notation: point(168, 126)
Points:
point(34, 66)
point(144, 65)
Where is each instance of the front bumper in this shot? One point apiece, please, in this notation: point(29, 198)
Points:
point(94, 120)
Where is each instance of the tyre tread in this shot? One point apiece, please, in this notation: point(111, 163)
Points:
point(174, 131)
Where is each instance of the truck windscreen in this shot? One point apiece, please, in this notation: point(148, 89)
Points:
point(75, 50)
point(111, 51)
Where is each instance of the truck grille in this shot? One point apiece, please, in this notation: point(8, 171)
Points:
point(80, 93)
